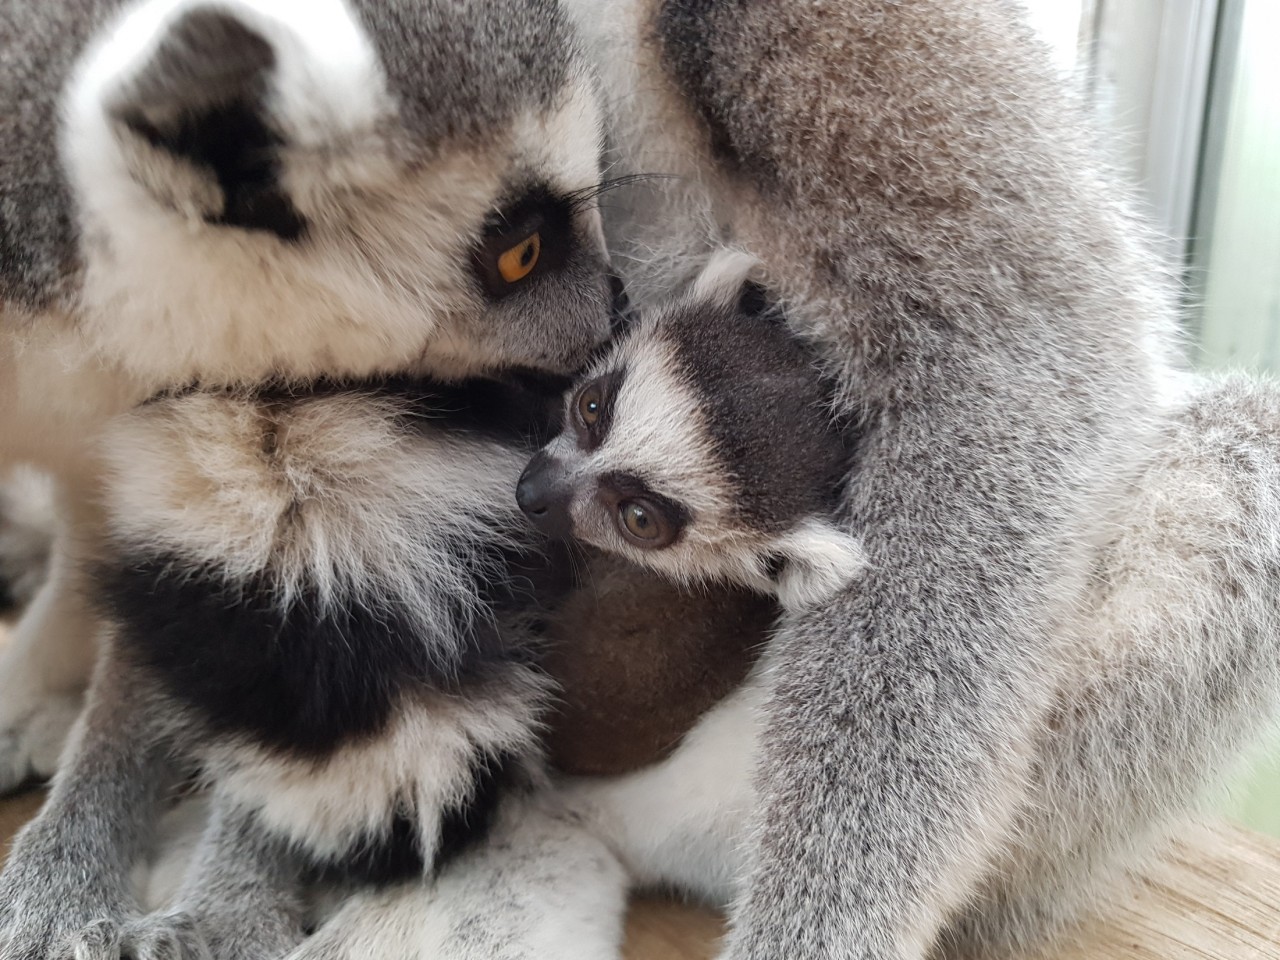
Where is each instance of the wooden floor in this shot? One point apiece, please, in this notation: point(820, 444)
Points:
point(1216, 897)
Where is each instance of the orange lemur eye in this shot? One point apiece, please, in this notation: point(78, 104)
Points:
point(518, 262)
point(589, 403)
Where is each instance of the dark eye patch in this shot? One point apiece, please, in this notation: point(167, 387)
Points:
point(591, 436)
point(616, 486)
point(537, 210)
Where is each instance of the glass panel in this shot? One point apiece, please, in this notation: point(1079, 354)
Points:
point(1237, 259)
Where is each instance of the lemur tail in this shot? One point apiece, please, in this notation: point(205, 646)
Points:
point(1185, 636)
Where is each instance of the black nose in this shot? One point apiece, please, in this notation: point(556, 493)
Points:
point(544, 495)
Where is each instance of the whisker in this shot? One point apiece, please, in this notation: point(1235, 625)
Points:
point(579, 198)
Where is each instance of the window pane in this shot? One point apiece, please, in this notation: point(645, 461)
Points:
point(1237, 262)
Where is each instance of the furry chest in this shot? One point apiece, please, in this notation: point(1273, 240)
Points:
point(640, 662)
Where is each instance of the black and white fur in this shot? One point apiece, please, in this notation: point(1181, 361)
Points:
point(927, 210)
point(322, 602)
point(713, 420)
point(247, 190)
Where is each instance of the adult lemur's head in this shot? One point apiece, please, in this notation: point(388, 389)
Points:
point(703, 447)
point(301, 187)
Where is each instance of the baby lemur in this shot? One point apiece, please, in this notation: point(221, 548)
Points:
point(704, 447)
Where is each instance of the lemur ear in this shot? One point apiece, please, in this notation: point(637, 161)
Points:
point(729, 278)
point(814, 562)
point(196, 98)
point(726, 278)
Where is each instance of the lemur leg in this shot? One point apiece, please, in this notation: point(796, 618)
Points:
point(46, 665)
point(241, 897)
point(1180, 665)
point(539, 888)
point(67, 888)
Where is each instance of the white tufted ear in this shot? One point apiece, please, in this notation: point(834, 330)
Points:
point(819, 561)
point(722, 279)
point(189, 101)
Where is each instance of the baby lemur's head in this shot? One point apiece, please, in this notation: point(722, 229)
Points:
point(702, 447)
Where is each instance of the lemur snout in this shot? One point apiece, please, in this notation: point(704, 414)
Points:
point(544, 495)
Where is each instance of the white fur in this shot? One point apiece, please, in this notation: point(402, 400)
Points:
point(680, 821)
point(822, 561)
point(420, 766)
point(541, 887)
point(26, 519)
point(352, 503)
point(326, 83)
point(45, 665)
point(721, 281)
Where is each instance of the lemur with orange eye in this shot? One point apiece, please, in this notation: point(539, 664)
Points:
point(703, 447)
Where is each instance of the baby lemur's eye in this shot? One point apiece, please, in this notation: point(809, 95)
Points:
point(518, 262)
point(590, 402)
point(645, 525)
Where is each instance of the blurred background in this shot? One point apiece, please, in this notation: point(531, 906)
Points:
point(1190, 90)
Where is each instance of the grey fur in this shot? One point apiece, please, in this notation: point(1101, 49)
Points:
point(139, 252)
point(26, 535)
point(930, 207)
point(67, 879)
point(39, 261)
point(483, 49)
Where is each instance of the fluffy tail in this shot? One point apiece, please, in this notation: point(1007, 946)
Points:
point(1182, 671)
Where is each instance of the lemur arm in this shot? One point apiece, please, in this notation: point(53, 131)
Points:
point(67, 883)
point(923, 199)
point(898, 738)
point(242, 895)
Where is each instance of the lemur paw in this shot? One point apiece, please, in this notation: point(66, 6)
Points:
point(49, 911)
point(31, 742)
point(46, 931)
point(171, 936)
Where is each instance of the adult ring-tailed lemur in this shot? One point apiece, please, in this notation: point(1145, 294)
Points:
point(922, 205)
point(228, 193)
